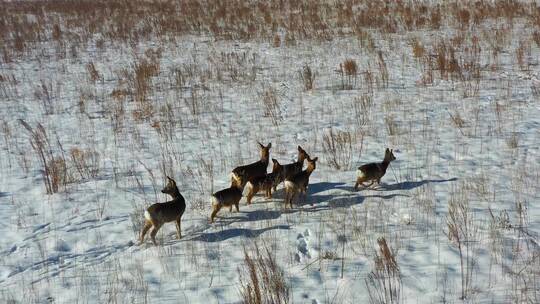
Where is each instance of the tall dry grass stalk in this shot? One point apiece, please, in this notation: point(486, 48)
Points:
point(338, 148)
point(271, 106)
point(54, 167)
point(308, 77)
point(463, 233)
point(262, 281)
point(384, 281)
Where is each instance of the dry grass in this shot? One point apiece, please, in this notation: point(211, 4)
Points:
point(261, 279)
point(463, 233)
point(348, 71)
point(54, 165)
point(69, 25)
point(139, 96)
point(363, 106)
point(383, 70)
point(308, 77)
point(86, 162)
point(384, 281)
point(338, 148)
point(418, 49)
point(93, 73)
point(271, 106)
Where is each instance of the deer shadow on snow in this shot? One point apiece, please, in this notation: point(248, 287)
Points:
point(223, 235)
point(412, 185)
point(250, 216)
point(333, 200)
point(314, 198)
point(324, 186)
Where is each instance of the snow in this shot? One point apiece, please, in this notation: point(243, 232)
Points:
point(80, 245)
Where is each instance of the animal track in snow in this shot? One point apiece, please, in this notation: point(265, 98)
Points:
point(302, 246)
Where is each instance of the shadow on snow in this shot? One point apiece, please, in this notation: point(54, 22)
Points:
point(412, 185)
point(235, 232)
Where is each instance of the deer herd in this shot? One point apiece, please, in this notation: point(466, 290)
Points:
point(252, 179)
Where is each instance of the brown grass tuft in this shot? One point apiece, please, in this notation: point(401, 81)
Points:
point(261, 279)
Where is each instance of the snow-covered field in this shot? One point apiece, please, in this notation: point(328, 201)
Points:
point(119, 117)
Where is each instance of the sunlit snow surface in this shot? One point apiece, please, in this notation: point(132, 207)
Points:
point(80, 245)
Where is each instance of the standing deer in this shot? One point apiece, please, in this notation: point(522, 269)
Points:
point(373, 171)
point(227, 197)
point(160, 213)
point(299, 182)
point(289, 170)
point(265, 182)
point(253, 170)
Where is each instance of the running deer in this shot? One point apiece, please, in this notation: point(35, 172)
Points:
point(265, 182)
point(289, 170)
point(253, 170)
point(227, 197)
point(299, 182)
point(374, 171)
point(160, 213)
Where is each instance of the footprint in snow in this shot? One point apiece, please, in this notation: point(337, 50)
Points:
point(302, 246)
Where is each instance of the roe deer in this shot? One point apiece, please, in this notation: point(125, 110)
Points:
point(227, 197)
point(160, 213)
point(253, 170)
point(289, 170)
point(265, 182)
point(299, 182)
point(373, 171)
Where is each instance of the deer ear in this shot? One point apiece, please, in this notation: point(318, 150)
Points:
point(315, 159)
point(275, 161)
point(269, 146)
point(261, 145)
point(299, 148)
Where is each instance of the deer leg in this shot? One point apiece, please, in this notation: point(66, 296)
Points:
point(213, 215)
point(236, 206)
point(304, 195)
point(147, 226)
point(178, 228)
point(359, 181)
point(249, 197)
point(288, 197)
point(370, 184)
point(293, 195)
point(154, 232)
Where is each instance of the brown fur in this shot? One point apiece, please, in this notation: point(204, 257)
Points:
point(253, 170)
point(227, 198)
point(374, 171)
point(161, 213)
point(289, 170)
point(299, 182)
point(265, 182)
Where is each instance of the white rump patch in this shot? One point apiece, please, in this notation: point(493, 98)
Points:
point(147, 215)
point(247, 188)
point(289, 185)
point(215, 201)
